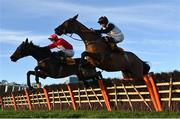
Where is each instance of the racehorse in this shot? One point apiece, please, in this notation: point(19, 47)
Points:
point(47, 64)
point(100, 54)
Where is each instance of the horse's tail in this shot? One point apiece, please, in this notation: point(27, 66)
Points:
point(146, 68)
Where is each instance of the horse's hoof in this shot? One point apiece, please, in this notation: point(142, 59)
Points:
point(86, 84)
point(32, 90)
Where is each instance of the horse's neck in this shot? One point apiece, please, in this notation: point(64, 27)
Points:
point(91, 39)
point(86, 34)
point(37, 53)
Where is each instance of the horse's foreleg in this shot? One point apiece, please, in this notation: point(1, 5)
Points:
point(29, 73)
point(95, 56)
point(99, 74)
point(36, 76)
point(83, 55)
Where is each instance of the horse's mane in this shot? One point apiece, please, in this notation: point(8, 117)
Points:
point(40, 48)
point(98, 36)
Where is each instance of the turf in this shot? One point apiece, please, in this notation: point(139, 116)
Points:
point(86, 114)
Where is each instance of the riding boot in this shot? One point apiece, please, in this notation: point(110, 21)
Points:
point(112, 43)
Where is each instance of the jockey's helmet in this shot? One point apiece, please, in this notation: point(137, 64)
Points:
point(53, 37)
point(103, 20)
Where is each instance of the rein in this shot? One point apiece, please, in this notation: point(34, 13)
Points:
point(77, 39)
point(80, 39)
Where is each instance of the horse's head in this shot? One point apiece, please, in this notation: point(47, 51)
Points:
point(67, 27)
point(21, 51)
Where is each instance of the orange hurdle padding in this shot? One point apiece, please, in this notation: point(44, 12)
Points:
point(28, 99)
point(72, 97)
point(153, 93)
point(47, 98)
point(156, 94)
point(149, 87)
point(105, 96)
point(14, 102)
point(2, 104)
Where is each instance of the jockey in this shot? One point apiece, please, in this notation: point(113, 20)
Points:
point(114, 34)
point(66, 49)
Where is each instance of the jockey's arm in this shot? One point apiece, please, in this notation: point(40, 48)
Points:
point(106, 30)
point(53, 45)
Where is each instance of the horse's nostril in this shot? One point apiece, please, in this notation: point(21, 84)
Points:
point(13, 58)
point(56, 30)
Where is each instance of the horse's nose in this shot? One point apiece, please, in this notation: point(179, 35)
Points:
point(57, 31)
point(13, 58)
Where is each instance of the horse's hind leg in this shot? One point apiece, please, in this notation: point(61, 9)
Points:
point(137, 71)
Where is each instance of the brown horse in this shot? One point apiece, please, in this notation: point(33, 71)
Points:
point(48, 65)
point(100, 54)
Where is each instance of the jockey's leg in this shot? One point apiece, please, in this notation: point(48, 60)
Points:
point(111, 42)
point(110, 39)
point(68, 56)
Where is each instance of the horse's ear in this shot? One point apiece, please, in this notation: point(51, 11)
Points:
point(31, 42)
point(26, 41)
point(75, 17)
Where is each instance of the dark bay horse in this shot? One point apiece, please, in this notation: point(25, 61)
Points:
point(99, 53)
point(47, 65)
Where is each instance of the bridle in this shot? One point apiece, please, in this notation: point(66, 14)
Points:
point(77, 39)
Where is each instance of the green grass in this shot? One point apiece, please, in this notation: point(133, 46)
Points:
point(86, 114)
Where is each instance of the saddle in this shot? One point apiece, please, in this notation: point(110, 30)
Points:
point(63, 59)
point(116, 49)
point(70, 61)
point(112, 44)
point(67, 60)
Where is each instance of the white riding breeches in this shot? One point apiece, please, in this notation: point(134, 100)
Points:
point(69, 53)
point(118, 38)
